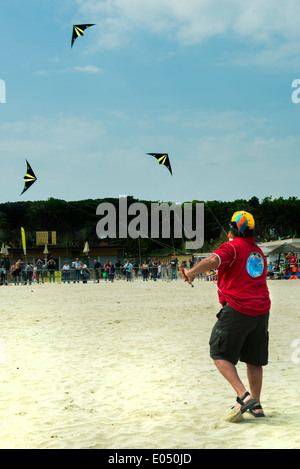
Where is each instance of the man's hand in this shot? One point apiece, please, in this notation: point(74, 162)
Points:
point(185, 276)
point(209, 263)
point(188, 277)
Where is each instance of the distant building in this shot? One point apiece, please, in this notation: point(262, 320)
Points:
point(62, 254)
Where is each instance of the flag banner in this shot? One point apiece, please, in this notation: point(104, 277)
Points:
point(23, 240)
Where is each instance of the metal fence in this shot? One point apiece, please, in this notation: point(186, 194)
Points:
point(90, 275)
point(96, 275)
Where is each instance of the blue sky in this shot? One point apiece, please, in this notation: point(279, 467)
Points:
point(207, 81)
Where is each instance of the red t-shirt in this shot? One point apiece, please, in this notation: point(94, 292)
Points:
point(293, 261)
point(242, 274)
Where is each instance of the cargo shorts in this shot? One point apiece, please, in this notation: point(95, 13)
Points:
point(240, 337)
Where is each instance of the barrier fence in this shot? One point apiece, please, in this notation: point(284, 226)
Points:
point(95, 275)
point(71, 276)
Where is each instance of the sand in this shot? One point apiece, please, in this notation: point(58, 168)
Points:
point(126, 365)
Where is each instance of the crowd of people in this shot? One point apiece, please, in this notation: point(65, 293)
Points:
point(23, 273)
point(78, 271)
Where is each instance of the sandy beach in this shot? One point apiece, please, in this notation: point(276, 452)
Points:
point(126, 365)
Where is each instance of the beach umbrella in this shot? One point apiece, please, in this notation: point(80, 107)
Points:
point(5, 250)
point(86, 248)
point(45, 251)
point(86, 251)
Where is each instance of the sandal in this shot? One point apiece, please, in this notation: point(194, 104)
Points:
point(257, 407)
point(249, 405)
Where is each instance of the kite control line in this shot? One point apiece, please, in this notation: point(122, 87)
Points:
point(183, 273)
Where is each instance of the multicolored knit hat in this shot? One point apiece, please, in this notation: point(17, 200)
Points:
point(243, 220)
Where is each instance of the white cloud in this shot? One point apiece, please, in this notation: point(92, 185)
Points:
point(51, 140)
point(264, 23)
point(215, 155)
point(87, 69)
point(76, 68)
point(42, 72)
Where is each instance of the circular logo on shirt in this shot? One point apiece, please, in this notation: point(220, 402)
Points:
point(255, 264)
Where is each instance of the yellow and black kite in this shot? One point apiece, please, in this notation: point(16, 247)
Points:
point(162, 158)
point(78, 31)
point(29, 177)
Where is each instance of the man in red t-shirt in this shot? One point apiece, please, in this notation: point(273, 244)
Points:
point(241, 331)
point(292, 259)
point(290, 262)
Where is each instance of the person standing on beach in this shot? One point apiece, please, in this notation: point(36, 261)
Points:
point(51, 268)
point(154, 269)
point(84, 272)
point(241, 331)
point(76, 265)
point(66, 272)
point(39, 270)
point(111, 272)
point(173, 265)
point(97, 270)
point(2, 275)
point(17, 272)
point(28, 273)
point(290, 262)
point(128, 269)
point(118, 269)
point(164, 270)
point(145, 271)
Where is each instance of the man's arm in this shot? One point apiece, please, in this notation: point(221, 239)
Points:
point(209, 263)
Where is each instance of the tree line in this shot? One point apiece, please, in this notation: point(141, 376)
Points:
point(75, 222)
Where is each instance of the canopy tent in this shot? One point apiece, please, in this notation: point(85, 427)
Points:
point(265, 250)
point(285, 248)
point(292, 273)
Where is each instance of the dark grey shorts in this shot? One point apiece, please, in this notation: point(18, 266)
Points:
point(237, 336)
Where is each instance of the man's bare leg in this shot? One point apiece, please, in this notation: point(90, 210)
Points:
point(255, 379)
point(229, 371)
